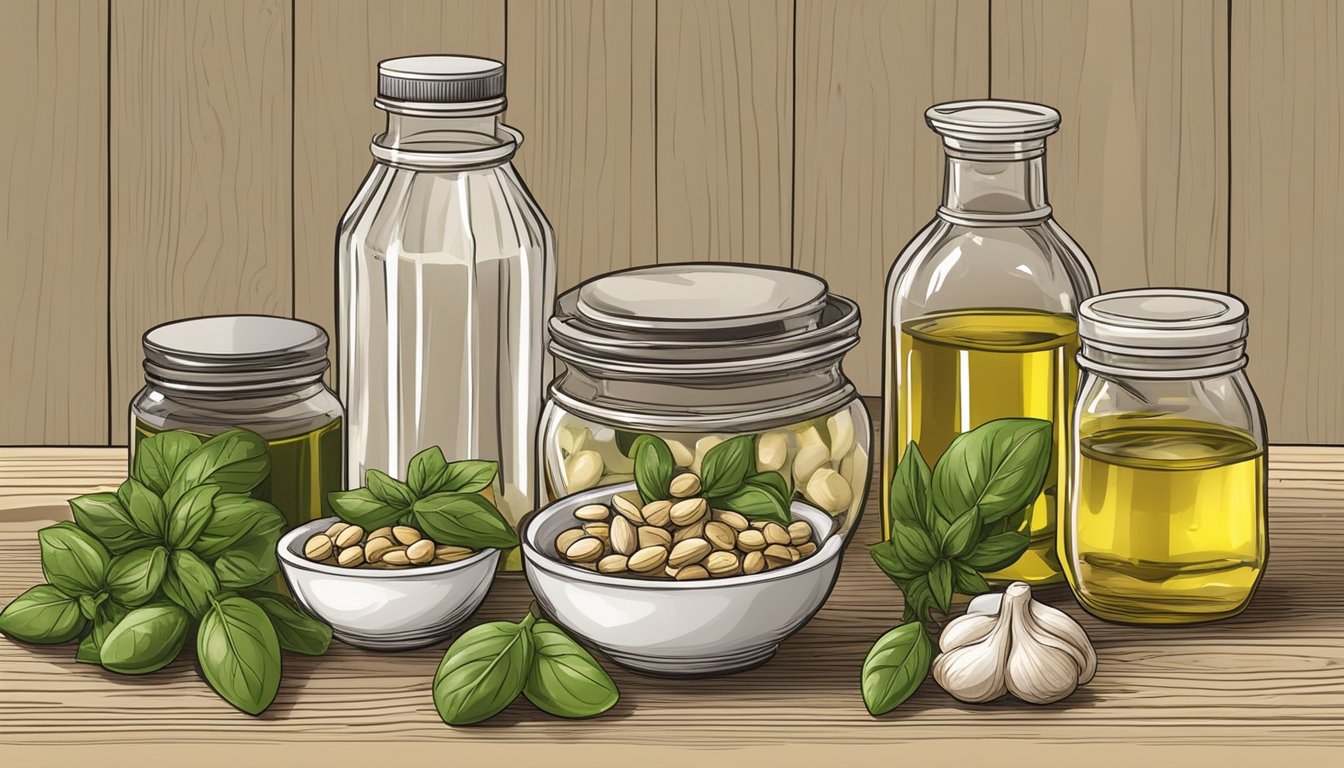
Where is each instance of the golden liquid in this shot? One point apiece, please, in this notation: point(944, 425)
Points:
point(1170, 525)
point(960, 370)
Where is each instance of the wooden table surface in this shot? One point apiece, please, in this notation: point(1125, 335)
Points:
point(1271, 679)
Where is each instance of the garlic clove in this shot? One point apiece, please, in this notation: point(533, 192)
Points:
point(1038, 673)
point(987, 603)
point(964, 630)
point(974, 673)
point(1059, 624)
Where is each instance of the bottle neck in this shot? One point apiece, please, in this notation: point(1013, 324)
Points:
point(445, 142)
point(992, 190)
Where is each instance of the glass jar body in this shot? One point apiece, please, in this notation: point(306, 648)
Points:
point(1167, 516)
point(303, 429)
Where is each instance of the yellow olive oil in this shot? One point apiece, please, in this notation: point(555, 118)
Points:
point(1170, 520)
point(959, 370)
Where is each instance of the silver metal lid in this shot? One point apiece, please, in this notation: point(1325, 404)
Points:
point(440, 80)
point(995, 120)
point(235, 352)
point(1168, 331)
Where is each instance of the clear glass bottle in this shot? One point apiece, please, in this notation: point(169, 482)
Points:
point(980, 307)
point(1167, 519)
point(447, 278)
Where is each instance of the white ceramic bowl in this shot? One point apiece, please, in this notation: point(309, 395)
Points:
point(385, 610)
point(677, 628)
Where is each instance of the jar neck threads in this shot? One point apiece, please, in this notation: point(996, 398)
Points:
point(235, 356)
point(980, 190)
point(1163, 333)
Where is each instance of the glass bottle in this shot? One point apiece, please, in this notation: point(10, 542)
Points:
point(447, 278)
point(980, 308)
point(1167, 521)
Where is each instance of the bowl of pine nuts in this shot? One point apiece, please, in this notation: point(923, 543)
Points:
point(673, 589)
point(386, 590)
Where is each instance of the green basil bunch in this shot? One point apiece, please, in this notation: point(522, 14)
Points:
point(181, 545)
point(439, 498)
point(487, 667)
point(728, 479)
point(948, 526)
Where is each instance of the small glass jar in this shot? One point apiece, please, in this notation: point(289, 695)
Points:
point(208, 375)
point(1167, 519)
point(696, 354)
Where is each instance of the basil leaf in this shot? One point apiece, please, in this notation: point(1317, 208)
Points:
point(109, 616)
point(426, 471)
point(73, 561)
point(388, 490)
point(482, 672)
point(360, 507)
point(133, 578)
point(468, 476)
point(725, 466)
point(297, 631)
point(913, 546)
point(239, 654)
point(918, 599)
point(43, 614)
point(910, 484)
point(190, 583)
point(654, 467)
point(758, 502)
point(998, 467)
point(103, 515)
point(962, 535)
point(237, 461)
point(191, 514)
point(251, 560)
point(147, 639)
point(157, 457)
point(236, 516)
point(966, 581)
point(88, 604)
point(940, 584)
point(565, 680)
point(146, 508)
point(772, 480)
point(463, 520)
point(884, 554)
point(997, 552)
point(625, 442)
point(895, 667)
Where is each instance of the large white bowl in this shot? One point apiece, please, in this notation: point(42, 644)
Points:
point(677, 628)
point(385, 610)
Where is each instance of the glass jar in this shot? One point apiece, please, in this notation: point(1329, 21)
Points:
point(208, 375)
point(1167, 521)
point(447, 278)
point(699, 353)
point(980, 308)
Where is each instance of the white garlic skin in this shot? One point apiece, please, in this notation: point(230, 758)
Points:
point(973, 672)
point(1038, 670)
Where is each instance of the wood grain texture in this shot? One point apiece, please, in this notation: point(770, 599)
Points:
point(200, 137)
point(581, 89)
point(1211, 695)
point(1288, 209)
point(338, 44)
point(53, 222)
point(1138, 172)
point(725, 130)
point(869, 171)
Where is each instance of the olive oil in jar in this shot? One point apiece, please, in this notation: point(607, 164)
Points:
point(1170, 520)
point(958, 370)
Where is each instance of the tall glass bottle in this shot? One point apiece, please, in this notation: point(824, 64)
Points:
point(981, 308)
point(447, 280)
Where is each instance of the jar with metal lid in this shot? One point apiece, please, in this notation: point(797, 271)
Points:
point(697, 353)
point(1167, 520)
point(208, 375)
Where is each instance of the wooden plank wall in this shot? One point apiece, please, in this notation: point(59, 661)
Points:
point(166, 158)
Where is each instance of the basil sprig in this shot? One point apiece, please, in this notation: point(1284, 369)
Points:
point(948, 526)
point(180, 546)
point(728, 479)
point(440, 498)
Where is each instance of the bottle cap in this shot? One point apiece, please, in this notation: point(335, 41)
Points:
point(1168, 329)
point(440, 80)
point(235, 353)
point(1013, 129)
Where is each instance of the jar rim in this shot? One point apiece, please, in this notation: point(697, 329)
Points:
point(243, 353)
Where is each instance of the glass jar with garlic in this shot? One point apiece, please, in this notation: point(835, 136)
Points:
point(697, 353)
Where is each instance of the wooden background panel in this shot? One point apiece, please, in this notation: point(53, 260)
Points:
point(200, 138)
point(581, 89)
point(869, 171)
point(725, 130)
point(53, 222)
point(1138, 172)
point(1288, 208)
point(337, 47)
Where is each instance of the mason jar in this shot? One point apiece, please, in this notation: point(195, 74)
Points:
point(697, 354)
point(1167, 520)
point(207, 375)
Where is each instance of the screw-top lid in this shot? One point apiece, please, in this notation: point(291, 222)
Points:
point(235, 353)
point(1124, 329)
point(440, 80)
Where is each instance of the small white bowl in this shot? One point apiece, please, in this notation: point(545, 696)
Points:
point(678, 628)
point(385, 610)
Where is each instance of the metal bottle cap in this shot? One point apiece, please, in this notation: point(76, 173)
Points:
point(441, 80)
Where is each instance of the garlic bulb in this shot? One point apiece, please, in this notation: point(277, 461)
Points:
point(1013, 645)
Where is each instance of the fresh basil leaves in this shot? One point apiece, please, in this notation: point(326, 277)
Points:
point(896, 665)
point(727, 479)
point(239, 653)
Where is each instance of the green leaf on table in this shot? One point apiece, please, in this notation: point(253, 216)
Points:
point(997, 552)
point(191, 515)
point(483, 671)
point(43, 614)
point(961, 535)
point(918, 600)
point(654, 467)
point(725, 466)
point(388, 490)
point(297, 631)
point(884, 554)
point(361, 507)
point(968, 581)
point(426, 471)
point(756, 502)
point(157, 457)
point(190, 582)
point(895, 667)
point(109, 615)
point(251, 559)
point(940, 584)
point(470, 476)
point(998, 468)
point(88, 604)
point(104, 516)
point(133, 578)
point(913, 546)
point(72, 560)
point(146, 508)
point(239, 653)
point(236, 516)
point(146, 639)
point(237, 461)
point(772, 480)
point(565, 680)
point(463, 520)
point(910, 500)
